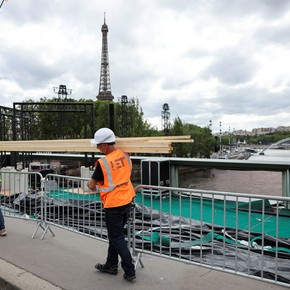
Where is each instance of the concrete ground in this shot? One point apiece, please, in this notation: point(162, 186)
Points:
point(66, 261)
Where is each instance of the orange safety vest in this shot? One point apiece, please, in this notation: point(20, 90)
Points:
point(117, 188)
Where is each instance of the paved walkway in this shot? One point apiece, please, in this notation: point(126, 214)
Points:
point(67, 261)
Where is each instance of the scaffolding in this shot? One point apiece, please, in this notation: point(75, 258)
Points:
point(124, 116)
point(17, 123)
point(13, 120)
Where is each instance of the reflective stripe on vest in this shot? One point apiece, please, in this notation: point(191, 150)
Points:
point(110, 177)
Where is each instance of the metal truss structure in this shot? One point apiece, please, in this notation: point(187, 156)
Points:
point(62, 92)
point(87, 109)
point(7, 117)
point(124, 116)
point(16, 123)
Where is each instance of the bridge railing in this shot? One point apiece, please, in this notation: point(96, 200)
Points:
point(237, 233)
point(243, 234)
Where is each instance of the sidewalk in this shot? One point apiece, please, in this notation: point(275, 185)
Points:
point(67, 261)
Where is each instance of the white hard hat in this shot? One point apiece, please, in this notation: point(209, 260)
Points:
point(104, 135)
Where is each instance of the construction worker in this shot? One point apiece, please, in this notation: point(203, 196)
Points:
point(111, 178)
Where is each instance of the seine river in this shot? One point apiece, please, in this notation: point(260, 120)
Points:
point(253, 182)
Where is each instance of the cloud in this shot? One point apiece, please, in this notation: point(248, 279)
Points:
point(214, 60)
point(232, 67)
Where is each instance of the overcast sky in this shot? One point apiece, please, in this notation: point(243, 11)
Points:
point(220, 60)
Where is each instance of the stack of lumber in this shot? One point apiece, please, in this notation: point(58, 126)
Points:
point(160, 144)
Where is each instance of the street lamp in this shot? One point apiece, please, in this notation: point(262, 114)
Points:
point(230, 140)
point(221, 138)
point(210, 125)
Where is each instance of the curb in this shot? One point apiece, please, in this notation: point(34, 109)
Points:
point(14, 278)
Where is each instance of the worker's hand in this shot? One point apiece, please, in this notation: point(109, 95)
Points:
point(92, 186)
point(96, 189)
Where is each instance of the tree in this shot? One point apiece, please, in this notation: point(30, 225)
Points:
point(177, 130)
point(203, 139)
point(57, 121)
point(70, 124)
point(132, 117)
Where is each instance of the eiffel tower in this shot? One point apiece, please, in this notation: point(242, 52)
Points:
point(105, 85)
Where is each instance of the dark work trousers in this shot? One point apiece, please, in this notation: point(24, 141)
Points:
point(2, 225)
point(116, 218)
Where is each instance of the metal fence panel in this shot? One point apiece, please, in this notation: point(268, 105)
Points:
point(237, 233)
point(69, 204)
point(21, 194)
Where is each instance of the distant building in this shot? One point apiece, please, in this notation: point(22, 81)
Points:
point(256, 131)
point(283, 129)
point(241, 132)
point(263, 131)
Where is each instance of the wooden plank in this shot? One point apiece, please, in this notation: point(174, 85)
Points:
point(157, 139)
point(161, 144)
point(132, 149)
point(41, 146)
point(118, 140)
point(83, 150)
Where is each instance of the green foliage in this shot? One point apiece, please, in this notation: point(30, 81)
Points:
point(69, 123)
point(129, 121)
point(203, 140)
point(71, 119)
point(101, 114)
point(59, 121)
point(177, 129)
point(266, 139)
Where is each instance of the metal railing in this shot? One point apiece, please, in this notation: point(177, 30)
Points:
point(237, 233)
point(21, 194)
point(243, 234)
point(69, 204)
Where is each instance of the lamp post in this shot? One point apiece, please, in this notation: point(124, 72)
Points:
point(221, 138)
point(210, 125)
point(230, 140)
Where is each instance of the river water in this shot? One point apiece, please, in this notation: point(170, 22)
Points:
point(252, 182)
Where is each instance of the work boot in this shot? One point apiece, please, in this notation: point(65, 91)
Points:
point(129, 277)
point(3, 232)
point(104, 268)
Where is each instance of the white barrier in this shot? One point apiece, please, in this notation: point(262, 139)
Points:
point(14, 183)
point(86, 173)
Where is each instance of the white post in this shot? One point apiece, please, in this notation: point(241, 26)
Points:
point(85, 173)
point(13, 181)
